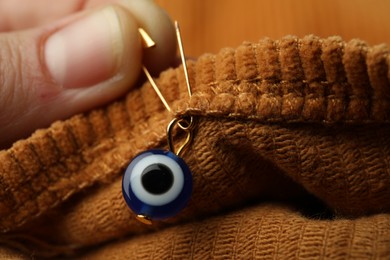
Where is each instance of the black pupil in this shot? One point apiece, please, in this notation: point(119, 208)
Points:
point(157, 178)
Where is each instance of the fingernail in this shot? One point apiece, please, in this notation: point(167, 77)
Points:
point(87, 51)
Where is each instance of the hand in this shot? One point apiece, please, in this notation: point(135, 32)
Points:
point(59, 58)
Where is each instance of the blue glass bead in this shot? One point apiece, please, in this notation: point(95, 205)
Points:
point(157, 184)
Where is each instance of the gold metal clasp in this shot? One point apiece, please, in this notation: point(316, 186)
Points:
point(184, 123)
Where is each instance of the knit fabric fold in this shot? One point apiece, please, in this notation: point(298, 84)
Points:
point(297, 128)
point(265, 232)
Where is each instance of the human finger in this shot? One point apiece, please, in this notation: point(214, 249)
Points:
point(73, 65)
point(22, 14)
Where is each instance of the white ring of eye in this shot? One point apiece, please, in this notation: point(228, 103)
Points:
point(160, 199)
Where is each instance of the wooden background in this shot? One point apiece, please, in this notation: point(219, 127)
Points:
point(209, 25)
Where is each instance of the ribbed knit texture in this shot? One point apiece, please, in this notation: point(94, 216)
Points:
point(263, 232)
point(301, 122)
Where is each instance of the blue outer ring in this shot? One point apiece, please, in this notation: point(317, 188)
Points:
point(157, 212)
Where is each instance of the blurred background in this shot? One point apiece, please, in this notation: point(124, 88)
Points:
point(209, 25)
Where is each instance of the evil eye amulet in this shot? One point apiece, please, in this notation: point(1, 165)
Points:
point(157, 184)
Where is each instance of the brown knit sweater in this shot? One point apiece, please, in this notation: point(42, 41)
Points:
point(290, 159)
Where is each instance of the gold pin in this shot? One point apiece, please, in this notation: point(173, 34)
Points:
point(183, 60)
point(154, 85)
point(153, 199)
point(186, 124)
point(146, 39)
point(148, 43)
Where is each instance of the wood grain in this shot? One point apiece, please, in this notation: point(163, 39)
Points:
point(208, 26)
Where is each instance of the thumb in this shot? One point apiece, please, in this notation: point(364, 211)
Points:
point(73, 65)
